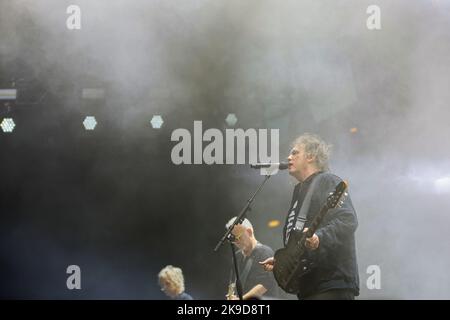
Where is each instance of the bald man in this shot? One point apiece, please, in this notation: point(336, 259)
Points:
point(256, 282)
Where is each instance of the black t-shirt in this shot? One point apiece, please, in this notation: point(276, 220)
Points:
point(256, 274)
point(298, 197)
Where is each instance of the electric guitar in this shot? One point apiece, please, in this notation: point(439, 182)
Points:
point(291, 262)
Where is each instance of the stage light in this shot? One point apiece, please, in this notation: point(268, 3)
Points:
point(8, 125)
point(157, 122)
point(231, 120)
point(8, 94)
point(273, 223)
point(90, 123)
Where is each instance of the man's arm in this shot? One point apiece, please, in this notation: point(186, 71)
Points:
point(339, 223)
point(256, 291)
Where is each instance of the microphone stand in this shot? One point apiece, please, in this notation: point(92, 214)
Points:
point(236, 271)
point(239, 220)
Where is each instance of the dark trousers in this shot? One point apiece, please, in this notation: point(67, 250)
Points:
point(334, 294)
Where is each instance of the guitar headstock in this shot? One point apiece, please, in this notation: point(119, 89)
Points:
point(336, 198)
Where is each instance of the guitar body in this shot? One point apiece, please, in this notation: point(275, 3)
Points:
point(291, 262)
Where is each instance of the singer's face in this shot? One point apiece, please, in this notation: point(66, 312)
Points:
point(297, 162)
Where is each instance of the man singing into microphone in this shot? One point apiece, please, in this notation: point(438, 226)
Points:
point(333, 244)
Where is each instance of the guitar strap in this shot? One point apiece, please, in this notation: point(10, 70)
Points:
point(300, 217)
point(245, 272)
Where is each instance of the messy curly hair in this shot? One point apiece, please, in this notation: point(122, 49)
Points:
point(316, 148)
point(174, 275)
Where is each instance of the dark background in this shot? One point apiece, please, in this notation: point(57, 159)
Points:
point(111, 200)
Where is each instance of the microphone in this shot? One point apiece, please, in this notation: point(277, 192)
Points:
point(280, 166)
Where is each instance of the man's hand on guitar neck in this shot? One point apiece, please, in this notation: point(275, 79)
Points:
point(313, 242)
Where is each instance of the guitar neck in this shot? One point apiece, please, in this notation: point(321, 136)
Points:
point(316, 221)
point(300, 248)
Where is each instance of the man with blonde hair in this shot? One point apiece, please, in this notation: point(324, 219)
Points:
point(332, 246)
point(171, 280)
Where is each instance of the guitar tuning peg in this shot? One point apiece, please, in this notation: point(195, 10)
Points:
point(345, 194)
point(330, 193)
